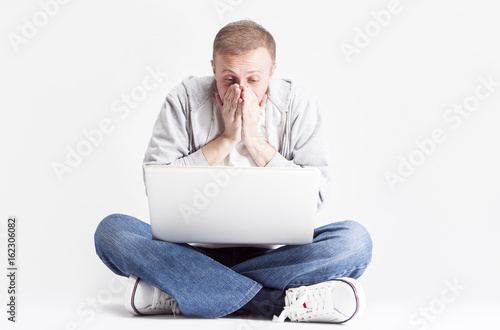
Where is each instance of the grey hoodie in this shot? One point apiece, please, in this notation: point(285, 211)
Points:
point(187, 111)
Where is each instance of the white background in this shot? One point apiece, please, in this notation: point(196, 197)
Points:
point(440, 224)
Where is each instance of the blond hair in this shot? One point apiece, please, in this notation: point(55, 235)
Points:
point(242, 37)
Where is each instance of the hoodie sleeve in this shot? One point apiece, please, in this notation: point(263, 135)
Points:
point(169, 143)
point(308, 147)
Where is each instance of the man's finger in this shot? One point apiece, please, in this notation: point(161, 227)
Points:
point(229, 94)
point(262, 103)
point(239, 109)
point(236, 97)
point(244, 95)
point(250, 95)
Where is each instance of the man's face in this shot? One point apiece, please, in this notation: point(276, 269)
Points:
point(253, 70)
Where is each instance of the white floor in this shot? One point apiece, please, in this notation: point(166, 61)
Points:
point(61, 312)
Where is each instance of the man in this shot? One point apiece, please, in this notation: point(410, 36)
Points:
point(239, 116)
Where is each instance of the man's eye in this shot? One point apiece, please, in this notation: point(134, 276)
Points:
point(228, 79)
point(253, 81)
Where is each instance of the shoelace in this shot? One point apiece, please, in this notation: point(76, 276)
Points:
point(303, 303)
point(165, 302)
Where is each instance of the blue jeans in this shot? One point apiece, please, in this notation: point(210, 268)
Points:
point(217, 282)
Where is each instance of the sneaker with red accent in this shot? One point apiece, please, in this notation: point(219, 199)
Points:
point(335, 301)
point(142, 298)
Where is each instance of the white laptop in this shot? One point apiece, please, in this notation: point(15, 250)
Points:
point(232, 205)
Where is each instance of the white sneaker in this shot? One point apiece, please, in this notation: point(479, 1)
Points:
point(142, 298)
point(335, 301)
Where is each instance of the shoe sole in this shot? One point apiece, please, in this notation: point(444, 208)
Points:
point(359, 293)
point(130, 294)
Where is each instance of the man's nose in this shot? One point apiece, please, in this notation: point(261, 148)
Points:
point(241, 82)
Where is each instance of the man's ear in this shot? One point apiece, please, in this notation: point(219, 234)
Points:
point(213, 66)
point(272, 70)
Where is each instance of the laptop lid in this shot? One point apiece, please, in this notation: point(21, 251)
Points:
point(232, 205)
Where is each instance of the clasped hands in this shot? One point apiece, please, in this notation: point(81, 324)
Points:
point(241, 111)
